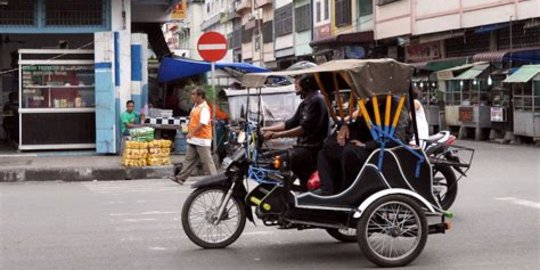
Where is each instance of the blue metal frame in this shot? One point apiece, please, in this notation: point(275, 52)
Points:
point(39, 26)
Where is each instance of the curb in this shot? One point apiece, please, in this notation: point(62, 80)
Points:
point(85, 174)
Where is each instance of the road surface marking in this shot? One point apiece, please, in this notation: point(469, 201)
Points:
point(138, 219)
point(142, 213)
point(158, 248)
point(521, 202)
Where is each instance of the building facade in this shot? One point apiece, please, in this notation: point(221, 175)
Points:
point(74, 64)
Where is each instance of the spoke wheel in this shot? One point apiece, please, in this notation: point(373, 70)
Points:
point(392, 231)
point(200, 218)
point(343, 235)
point(444, 185)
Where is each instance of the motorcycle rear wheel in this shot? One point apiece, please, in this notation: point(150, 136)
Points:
point(445, 185)
point(199, 215)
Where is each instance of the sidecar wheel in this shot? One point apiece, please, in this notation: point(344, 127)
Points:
point(343, 235)
point(392, 231)
point(200, 211)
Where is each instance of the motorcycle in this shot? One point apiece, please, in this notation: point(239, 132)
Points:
point(385, 209)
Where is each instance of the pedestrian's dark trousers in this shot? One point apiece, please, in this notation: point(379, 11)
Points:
point(303, 162)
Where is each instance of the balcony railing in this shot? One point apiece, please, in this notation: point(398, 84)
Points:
point(262, 3)
point(244, 4)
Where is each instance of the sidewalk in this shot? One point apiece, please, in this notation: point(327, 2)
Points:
point(77, 166)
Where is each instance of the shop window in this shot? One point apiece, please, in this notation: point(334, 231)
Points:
point(326, 10)
point(236, 39)
point(365, 7)
point(20, 12)
point(267, 29)
point(302, 18)
point(283, 19)
point(343, 12)
point(74, 12)
point(318, 9)
point(246, 35)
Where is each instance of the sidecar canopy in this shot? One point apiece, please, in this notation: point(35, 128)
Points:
point(367, 78)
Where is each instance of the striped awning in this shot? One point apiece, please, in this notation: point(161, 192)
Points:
point(472, 73)
point(521, 54)
point(523, 74)
point(441, 36)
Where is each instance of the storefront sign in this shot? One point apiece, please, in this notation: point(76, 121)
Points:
point(466, 114)
point(179, 11)
point(498, 114)
point(323, 31)
point(423, 52)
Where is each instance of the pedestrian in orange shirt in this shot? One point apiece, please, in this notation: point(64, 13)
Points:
point(199, 138)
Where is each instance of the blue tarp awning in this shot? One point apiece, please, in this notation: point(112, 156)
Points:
point(177, 68)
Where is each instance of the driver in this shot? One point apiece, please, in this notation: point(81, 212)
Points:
point(310, 124)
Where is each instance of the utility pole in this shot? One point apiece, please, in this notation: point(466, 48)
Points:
point(511, 42)
point(258, 21)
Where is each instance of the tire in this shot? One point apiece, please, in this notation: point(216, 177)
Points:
point(377, 222)
point(204, 235)
point(445, 185)
point(345, 236)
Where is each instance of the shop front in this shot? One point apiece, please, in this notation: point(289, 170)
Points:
point(57, 99)
point(67, 69)
point(468, 101)
point(525, 84)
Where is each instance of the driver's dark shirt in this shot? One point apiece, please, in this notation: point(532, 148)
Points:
point(312, 116)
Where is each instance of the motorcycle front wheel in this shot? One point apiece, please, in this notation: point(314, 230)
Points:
point(201, 222)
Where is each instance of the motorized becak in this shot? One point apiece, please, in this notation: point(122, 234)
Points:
point(385, 209)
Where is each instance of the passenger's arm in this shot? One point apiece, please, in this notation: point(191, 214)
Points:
point(343, 135)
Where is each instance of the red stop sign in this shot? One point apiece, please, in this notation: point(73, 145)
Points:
point(212, 46)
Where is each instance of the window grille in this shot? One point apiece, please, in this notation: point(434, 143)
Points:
point(302, 18)
point(246, 35)
point(236, 39)
point(318, 11)
point(343, 12)
point(283, 19)
point(267, 29)
point(74, 12)
point(366, 7)
point(20, 12)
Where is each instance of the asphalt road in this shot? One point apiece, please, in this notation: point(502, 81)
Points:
point(136, 225)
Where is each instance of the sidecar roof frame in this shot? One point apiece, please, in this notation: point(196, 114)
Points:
point(366, 78)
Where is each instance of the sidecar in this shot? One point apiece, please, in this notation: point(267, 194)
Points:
point(389, 202)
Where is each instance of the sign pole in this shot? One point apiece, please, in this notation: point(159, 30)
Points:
point(212, 47)
point(214, 108)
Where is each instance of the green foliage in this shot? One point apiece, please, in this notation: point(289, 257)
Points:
point(206, 87)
